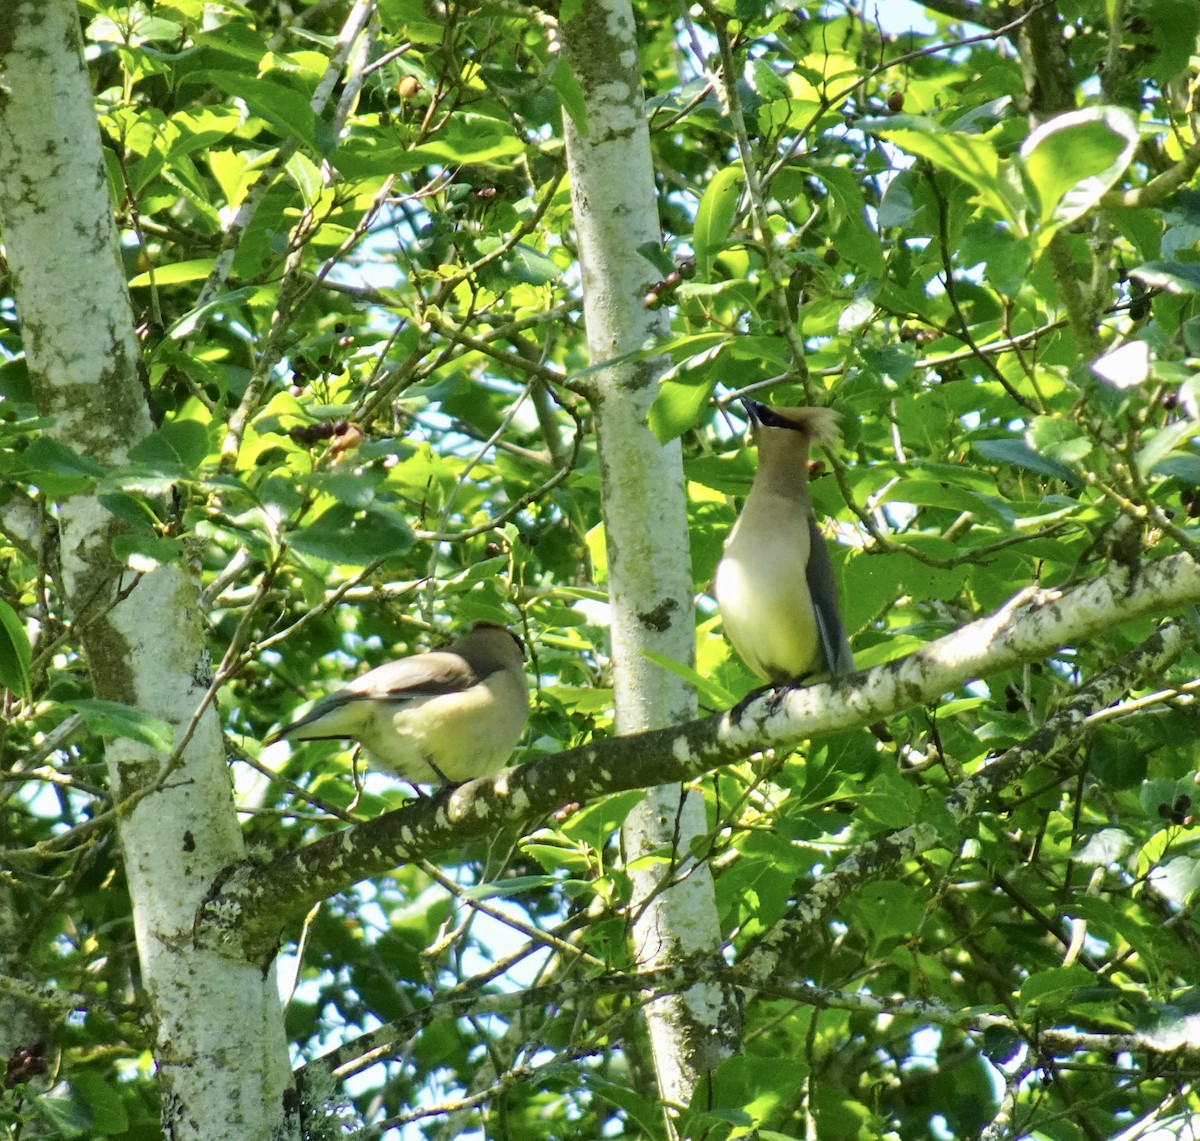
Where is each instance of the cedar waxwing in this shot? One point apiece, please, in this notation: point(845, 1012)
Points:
point(443, 717)
point(774, 584)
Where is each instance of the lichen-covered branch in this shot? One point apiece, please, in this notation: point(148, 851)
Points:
point(1056, 743)
point(248, 907)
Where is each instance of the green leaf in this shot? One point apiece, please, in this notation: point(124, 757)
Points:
point(1020, 454)
point(710, 693)
point(898, 207)
point(684, 390)
point(354, 489)
point(289, 112)
point(66, 1110)
point(47, 454)
point(307, 176)
point(468, 139)
point(714, 216)
point(1173, 276)
point(353, 537)
point(1054, 987)
point(891, 800)
point(677, 407)
point(1158, 796)
point(55, 470)
point(1172, 27)
point(1163, 442)
point(969, 157)
point(1104, 847)
point(889, 909)
point(193, 320)
point(144, 553)
point(696, 1122)
point(927, 493)
point(1177, 879)
point(1117, 759)
point(131, 509)
point(15, 654)
point(1059, 439)
point(174, 273)
point(1073, 159)
point(647, 1114)
point(410, 20)
point(175, 450)
point(527, 266)
point(596, 823)
point(1000, 1045)
point(1186, 469)
point(855, 315)
point(1191, 335)
point(570, 94)
point(557, 857)
point(14, 381)
point(108, 1110)
point(1006, 256)
point(112, 719)
point(516, 885)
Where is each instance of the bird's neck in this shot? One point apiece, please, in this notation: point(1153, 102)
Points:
point(783, 463)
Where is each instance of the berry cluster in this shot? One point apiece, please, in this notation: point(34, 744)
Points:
point(1189, 497)
point(25, 1062)
point(663, 292)
point(321, 430)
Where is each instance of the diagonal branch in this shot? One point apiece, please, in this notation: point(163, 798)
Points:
point(344, 1061)
point(1056, 742)
point(248, 906)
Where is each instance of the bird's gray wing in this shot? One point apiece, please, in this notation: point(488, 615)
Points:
point(423, 675)
point(835, 646)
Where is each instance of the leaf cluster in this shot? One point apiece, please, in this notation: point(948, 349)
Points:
point(358, 305)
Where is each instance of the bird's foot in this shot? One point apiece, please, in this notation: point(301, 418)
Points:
point(443, 780)
point(740, 708)
point(778, 691)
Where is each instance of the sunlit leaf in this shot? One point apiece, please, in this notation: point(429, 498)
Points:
point(969, 157)
point(288, 111)
point(714, 215)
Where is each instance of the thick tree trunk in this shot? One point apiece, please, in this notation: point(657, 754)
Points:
point(221, 1051)
point(645, 521)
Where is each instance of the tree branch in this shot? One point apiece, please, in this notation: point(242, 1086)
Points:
point(1158, 189)
point(1053, 743)
point(970, 13)
point(386, 1041)
point(247, 906)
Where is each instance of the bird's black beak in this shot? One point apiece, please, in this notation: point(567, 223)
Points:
point(753, 411)
point(763, 415)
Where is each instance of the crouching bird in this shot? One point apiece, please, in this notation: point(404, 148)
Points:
point(438, 718)
point(774, 583)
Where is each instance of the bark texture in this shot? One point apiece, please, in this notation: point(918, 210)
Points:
point(218, 1024)
point(646, 532)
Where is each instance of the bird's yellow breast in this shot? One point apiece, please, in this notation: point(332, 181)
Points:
point(468, 734)
point(766, 608)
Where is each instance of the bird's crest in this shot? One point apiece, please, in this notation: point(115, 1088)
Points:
point(819, 424)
